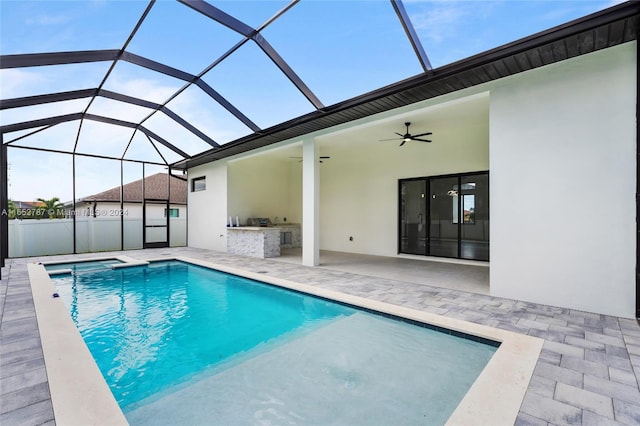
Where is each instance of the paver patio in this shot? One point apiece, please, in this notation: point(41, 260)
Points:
point(587, 373)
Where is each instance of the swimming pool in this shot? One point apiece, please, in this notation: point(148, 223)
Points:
point(80, 395)
point(173, 335)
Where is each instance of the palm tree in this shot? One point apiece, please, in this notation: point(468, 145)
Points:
point(51, 206)
point(12, 209)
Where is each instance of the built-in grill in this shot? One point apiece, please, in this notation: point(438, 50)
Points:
point(259, 221)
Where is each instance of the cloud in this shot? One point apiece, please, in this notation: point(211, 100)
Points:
point(105, 139)
point(35, 174)
point(44, 19)
point(159, 90)
point(14, 82)
point(436, 21)
point(208, 116)
point(143, 88)
point(50, 79)
point(39, 174)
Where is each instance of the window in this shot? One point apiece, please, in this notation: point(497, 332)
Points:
point(172, 212)
point(468, 208)
point(468, 202)
point(199, 184)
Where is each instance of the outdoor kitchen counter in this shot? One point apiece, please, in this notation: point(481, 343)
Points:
point(254, 241)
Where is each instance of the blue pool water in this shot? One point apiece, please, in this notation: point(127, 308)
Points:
point(175, 340)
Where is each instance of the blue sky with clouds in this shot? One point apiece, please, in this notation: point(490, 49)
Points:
point(340, 49)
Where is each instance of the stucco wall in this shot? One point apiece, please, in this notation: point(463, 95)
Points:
point(250, 187)
point(262, 188)
point(559, 142)
point(563, 173)
point(208, 209)
point(359, 184)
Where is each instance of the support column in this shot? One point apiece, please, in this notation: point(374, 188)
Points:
point(73, 202)
point(310, 204)
point(4, 204)
point(637, 177)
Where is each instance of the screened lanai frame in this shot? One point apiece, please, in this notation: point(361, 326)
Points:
point(157, 141)
point(607, 28)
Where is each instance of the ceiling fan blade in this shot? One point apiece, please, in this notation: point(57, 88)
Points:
point(421, 134)
point(420, 140)
point(399, 134)
point(392, 139)
point(319, 157)
point(403, 142)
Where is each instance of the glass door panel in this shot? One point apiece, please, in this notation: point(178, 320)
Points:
point(444, 216)
point(155, 223)
point(474, 236)
point(413, 229)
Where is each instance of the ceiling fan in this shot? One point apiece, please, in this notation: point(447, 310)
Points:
point(321, 158)
point(409, 137)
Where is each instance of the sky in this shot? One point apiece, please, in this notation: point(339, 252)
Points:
point(339, 49)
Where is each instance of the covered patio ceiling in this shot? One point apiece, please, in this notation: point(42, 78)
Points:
point(450, 122)
point(106, 108)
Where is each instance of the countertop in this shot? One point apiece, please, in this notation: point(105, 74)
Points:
point(262, 228)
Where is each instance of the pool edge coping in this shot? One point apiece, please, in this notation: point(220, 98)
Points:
point(79, 393)
point(494, 398)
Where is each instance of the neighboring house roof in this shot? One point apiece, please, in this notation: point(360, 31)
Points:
point(608, 28)
point(155, 187)
point(29, 204)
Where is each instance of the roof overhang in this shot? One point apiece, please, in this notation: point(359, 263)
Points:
point(601, 30)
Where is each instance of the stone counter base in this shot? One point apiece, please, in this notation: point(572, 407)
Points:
point(254, 242)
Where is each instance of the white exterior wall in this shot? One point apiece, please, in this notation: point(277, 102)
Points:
point(208, 209)
point(259, 188)
point(559, 142)
point(359, 185)
point(247, 188)
point(563, 173)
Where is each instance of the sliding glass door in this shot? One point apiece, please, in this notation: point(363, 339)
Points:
point(474, 228)
point(445, 216)
point(413, 216)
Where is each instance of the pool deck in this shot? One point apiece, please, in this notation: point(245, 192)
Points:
point(587, 373)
